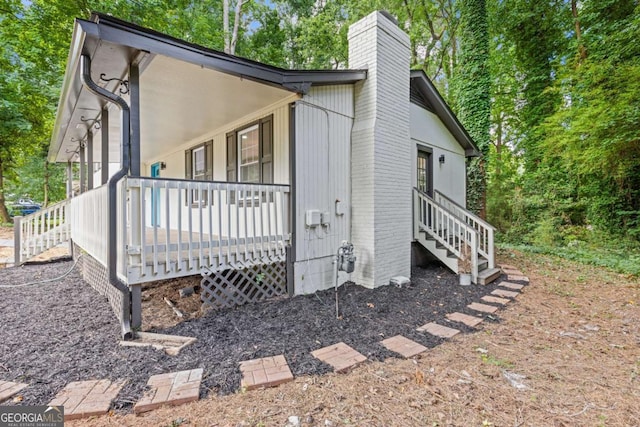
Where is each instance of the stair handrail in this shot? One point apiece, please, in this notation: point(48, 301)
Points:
point(486, 231)
point(445, 227)
point(41, 230)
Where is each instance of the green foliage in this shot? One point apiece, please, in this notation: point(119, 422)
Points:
point(472, 85)
point(620, 256)
point(555, 115)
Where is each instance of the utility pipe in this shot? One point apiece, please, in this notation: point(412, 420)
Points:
point(112, 248)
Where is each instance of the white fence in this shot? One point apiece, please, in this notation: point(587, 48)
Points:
point(41, 230)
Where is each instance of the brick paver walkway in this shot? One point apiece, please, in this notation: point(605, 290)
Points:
point(9, 389)
point(509, 285)
point(173, 388)
point(83, 399)
point(438, 330)
point(518, 277)
point(340, 356)
point(265, 372)
point(403, 346)
point(495, 300)
point(504, 293)
point(483, 308)
point(471, 321)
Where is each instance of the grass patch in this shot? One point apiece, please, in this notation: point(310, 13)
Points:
point(621, 260)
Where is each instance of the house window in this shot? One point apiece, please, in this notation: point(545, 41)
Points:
point(199, 167)
point(425, 172)
point(250, 153)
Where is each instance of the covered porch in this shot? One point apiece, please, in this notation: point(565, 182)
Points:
point(182, 160)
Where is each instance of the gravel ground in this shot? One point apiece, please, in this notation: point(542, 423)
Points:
point(64, 331)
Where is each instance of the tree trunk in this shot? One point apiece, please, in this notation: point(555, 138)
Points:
point(4, 214)
point(236, 25)
point(47, 171)
point(231, 36)
point(582, 51)
point(225, 25)
point(498, 145)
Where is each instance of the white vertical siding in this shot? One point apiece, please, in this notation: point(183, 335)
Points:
point(429, 131)
point(323, 121)
point(175, 162)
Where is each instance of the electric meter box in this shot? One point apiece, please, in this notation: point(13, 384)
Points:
point(313, 218)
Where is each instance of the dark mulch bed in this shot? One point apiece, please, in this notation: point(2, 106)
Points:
point(55, 333)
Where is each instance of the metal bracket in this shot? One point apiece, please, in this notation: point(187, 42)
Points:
point(97, 123)
point(81, 142)
point(124, 84)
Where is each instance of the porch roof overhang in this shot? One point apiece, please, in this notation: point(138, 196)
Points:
point(425, 94)
point(186, 90)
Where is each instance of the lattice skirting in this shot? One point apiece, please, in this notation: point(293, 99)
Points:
point(237, 283)
point(97, 276)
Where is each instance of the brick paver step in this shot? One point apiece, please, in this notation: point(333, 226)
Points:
point(518, 277)
point(438, 330)
point(9, 389)
point(340, 356)
point(173, 388)
point(403, 346)
point(483, 308)
point(504, 293)
point(509, 285)
point(496, 300)
point(470, 321)
point(265, 372)
point(82, 399)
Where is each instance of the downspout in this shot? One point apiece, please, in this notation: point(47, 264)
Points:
point(112, 249)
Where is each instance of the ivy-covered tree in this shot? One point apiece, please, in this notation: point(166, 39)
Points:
point(472, 94)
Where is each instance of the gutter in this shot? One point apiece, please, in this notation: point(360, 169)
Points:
point(112, 250)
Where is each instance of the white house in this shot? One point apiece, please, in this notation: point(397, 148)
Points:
point(197, 162)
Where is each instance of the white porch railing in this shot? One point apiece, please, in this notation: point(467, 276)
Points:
point(486, 231)
point(446, 228)
point(176, 227)
point(41, 230)
point(89, 217)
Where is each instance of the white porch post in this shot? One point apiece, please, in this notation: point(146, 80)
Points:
point(104, 155)
point(381, 151)
point(89, 160)
point(83, 171)
point(69, 179)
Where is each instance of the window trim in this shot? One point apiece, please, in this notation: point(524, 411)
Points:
point(234, 158)
point(429, 167)
point(239, 133)
point(207, 146)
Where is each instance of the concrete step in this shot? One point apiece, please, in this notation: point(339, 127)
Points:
point(488, 275)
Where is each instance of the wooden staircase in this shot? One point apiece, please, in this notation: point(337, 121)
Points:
point(444, 228)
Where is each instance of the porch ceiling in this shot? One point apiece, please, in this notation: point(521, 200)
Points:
point(180, 101)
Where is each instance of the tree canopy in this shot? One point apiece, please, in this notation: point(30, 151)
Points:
point(548, 90)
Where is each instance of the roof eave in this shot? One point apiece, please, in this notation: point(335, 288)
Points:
point(77, 46)
point(120, 32)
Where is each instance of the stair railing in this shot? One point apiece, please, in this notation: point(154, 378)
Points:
point(40, 231)
point(486, 231)
point(445, 227)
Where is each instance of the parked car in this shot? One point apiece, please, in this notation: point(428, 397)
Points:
point(25, 207)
